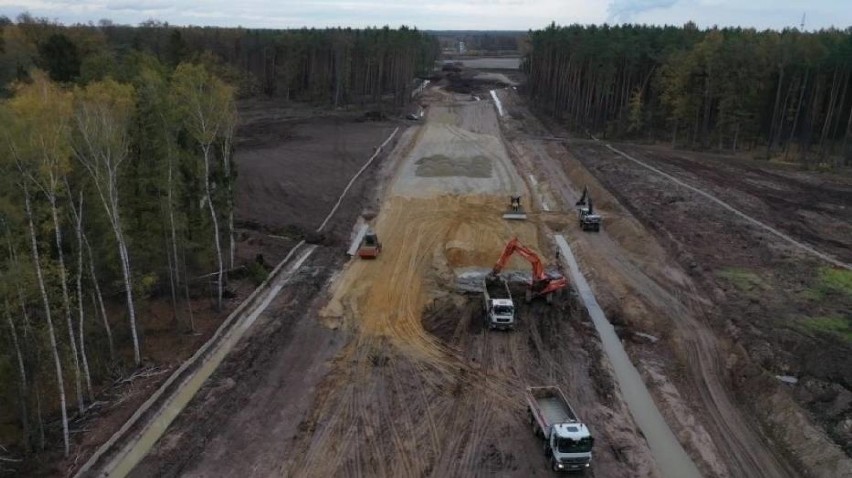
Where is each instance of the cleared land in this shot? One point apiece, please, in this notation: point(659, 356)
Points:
point(383, 368)
point(676, 266)
point(393, 373)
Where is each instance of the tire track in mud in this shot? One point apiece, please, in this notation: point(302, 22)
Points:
point(736, 435)
point(734, 439)
point(448, 404)
point(776, 232)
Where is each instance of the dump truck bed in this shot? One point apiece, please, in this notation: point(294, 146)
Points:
point(549, 406)
point(553, 410)
point(496, 288)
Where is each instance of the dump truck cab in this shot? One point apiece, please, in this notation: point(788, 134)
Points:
point(589, 221)
point(499, 306)
point(569, 447)
point(567, 440)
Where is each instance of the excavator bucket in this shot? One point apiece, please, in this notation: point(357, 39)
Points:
point(516, 211)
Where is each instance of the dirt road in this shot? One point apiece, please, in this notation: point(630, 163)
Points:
point(661, 244)
point(383, 368)
point(393, 374)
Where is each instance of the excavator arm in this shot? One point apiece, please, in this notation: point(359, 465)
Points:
point(514, 246)
point(541, 284)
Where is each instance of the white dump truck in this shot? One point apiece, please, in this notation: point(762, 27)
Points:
point(567, 441)
point(499, 309)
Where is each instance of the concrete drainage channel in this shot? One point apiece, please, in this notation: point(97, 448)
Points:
point(669, 455)
point(138, 436)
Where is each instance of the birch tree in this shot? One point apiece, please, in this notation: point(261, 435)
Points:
point(47, 316)
point(22, 371)
point(204, 101)
point(77, 214)
point(53, 110)
point(229, 126)
point(38, 131)
point(103, 111)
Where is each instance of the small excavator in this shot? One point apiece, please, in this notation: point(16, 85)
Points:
point(515, 211)
point(543, 284)
point(589, 221)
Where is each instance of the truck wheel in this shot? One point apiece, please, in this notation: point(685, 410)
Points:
point(547, 452)
point(553, 464)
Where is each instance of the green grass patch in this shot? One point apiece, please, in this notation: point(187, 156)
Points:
point(743, 279)
point(257, 273)
point(839, 326)
point(832, 282)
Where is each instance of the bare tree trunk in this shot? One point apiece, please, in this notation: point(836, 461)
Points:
point(736, 136)
point(172, 284)
point(66, 300)
point(173, 229)
point(186, 289)
point(100, 299)
point(772, 123)
point(78, 223)
point(40, 419)
point(798, 110)
point(226, 165)
point(128, 286)
point(206, 151)
point(48, 319)
point(22, 386)
point(102, 154)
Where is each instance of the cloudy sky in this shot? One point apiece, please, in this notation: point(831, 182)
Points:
point(442, 14)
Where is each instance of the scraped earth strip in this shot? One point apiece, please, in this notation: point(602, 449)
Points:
point(171, 397)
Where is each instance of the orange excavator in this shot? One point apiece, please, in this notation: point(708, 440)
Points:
point(542, 284)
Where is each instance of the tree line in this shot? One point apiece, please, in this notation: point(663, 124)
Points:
point(777, 94)
point(116, 185)
point(112, 192)
point(335, 67)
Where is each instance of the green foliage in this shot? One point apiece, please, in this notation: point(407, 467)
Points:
point(635, 117)
point(257, 273)
point(726, 89)
point(832, 283)
point(120, 119)
point(61, 58)
point(838, 326)
point(147, 283)
point(744, 280)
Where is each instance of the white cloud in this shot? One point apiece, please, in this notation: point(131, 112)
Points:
point(439, 14)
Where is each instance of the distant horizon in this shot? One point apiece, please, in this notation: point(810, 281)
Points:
point(443, 15)
point(169, 24)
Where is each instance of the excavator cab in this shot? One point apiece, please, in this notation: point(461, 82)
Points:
point(516, 211)
point(370, 246)
point(542, 283)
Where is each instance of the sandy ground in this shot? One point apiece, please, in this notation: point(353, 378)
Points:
point(392, 374)
point(382, 368)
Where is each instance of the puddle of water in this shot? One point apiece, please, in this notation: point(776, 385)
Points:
point(669, 455)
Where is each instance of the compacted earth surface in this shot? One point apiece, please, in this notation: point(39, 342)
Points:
point(292, 165)
point(720, 313)
point(384, 367)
